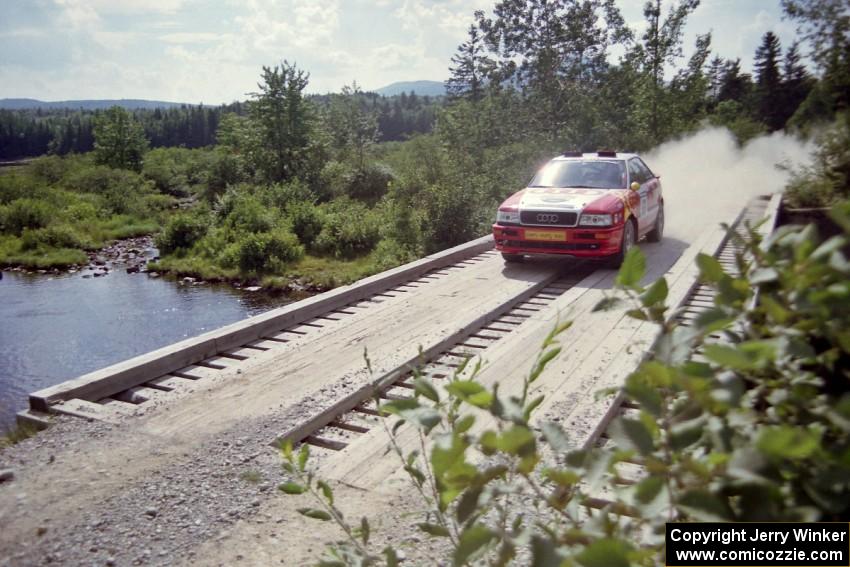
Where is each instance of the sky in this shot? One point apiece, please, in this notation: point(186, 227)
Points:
point(212, 52)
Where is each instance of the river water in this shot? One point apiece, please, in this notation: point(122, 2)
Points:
point(53, 328)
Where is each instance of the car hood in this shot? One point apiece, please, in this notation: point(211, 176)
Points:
point(566, 199)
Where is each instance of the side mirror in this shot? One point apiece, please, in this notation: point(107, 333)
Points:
point(634, 186)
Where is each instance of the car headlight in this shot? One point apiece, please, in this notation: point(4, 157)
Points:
point(596, 220)
point(507, 216)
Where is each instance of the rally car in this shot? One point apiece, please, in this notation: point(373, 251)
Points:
point(580, 204)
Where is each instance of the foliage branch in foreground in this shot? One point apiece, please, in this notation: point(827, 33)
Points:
point(744, 416)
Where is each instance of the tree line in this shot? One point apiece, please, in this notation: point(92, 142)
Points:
point(30, 133)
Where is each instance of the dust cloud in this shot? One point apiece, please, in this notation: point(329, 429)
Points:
point(707, 178)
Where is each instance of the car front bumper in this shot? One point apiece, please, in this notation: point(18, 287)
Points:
point(583, 242)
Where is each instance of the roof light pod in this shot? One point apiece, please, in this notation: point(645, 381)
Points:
point(606, 153)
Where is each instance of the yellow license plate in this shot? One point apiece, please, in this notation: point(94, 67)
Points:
point(552, 236)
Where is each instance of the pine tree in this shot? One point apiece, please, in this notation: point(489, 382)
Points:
point(796, 82)
point(471, 69)
point(768, 82)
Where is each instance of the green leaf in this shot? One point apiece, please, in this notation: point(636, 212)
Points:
point(326, 490)
point(463, 424)
point(555, 436)
point(542, 362)
point(518, 440)
point(292, 488)
point(704, 506)
point(424, 388)
point(531, 406)
point(562, 477)
point(763, 276)
point(468, 504)
point(712, 320)
point(632, 269)
point(648, 489)
point(605, 553)
point(424, 417)
point(286, 449)
point(788, 442)
point(607, 303)
point(632, 434)
point(315, 513)
point(544, 553)
point(685, 434)
point(710, 269)
point(435, 530)
point(303, 455)
point(391, 556)
point(472, 540)
point(729, 357)
point(656, 293)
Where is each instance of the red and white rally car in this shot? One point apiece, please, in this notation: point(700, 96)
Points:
point(590, 205)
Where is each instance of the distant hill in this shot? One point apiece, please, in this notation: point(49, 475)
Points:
point(129, 104)
point(422, 88)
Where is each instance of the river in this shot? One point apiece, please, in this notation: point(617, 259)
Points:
point(53, 328)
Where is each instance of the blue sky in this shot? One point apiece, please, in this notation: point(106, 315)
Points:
point(212, 51)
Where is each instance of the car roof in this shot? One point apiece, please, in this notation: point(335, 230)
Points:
point(606, 156)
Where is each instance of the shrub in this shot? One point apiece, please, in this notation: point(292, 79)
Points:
point(451, 217)
point(249, 215)
point(26, 213)
point(268, 251)
point(283, 196)
point(50, 169)
point(57, 236)
point(182, 232)
point(827, 180)
point(122, 190)
point(332, 180)
point(349, 229)
point(370, 183)
point(307, 221)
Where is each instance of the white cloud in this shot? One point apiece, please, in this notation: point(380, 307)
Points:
point(191, 37)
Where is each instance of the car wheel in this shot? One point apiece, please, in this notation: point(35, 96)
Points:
point(658, 230)
point(512, 258)
point(625, 244)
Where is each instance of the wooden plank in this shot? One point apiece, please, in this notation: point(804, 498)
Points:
point(170, 383)
point(195, 372)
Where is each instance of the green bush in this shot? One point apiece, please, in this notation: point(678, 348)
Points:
point(350, 229)
point(50, 169)
point(26, 213)
point(248, 215)
point(268, 252)
point(56, 236)
point(451, 217)
point(370, 183)
point(182, 232)
point(307, 221)
point(827, 180)
point(121, 189)
point(283, 196)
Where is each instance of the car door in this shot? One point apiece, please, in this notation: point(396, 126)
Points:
point(653, 192)
point(639, 200)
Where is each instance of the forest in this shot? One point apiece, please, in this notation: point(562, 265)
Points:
point(338, 186)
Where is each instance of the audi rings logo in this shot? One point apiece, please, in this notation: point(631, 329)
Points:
point(550, 218)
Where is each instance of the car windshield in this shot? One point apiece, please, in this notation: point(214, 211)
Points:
point(596, 174)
